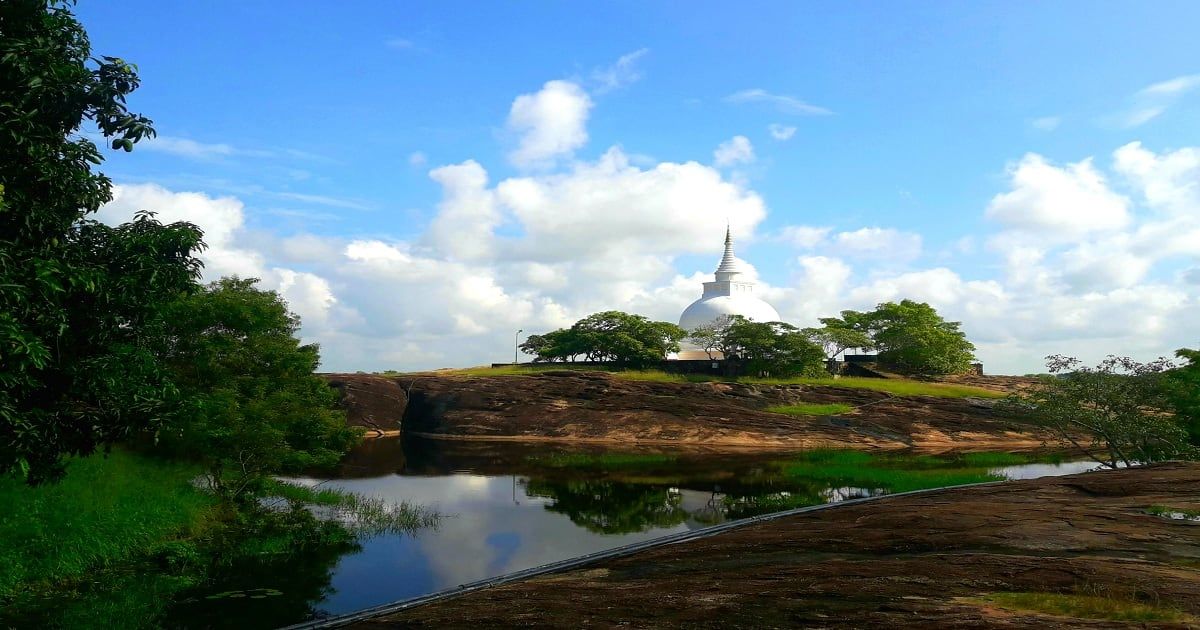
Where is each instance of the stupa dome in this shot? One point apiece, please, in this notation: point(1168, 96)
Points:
point(728, 295)
point(706, 310)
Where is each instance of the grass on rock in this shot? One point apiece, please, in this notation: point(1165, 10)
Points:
point(811, 409)
point(1086, 607)
point(899, 387)
point(894, 473)
point(364, 516)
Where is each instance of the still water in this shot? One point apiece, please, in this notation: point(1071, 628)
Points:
point(508, 507)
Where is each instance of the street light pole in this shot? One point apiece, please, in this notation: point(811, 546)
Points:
point(515, 337)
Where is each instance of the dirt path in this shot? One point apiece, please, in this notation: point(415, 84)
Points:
point(927, 560)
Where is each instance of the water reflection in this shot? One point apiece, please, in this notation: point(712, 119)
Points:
point(511, 507)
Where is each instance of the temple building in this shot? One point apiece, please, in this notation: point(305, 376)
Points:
point(732, 293)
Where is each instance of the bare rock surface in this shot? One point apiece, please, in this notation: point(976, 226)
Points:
point(598, 407)
point(927, 560)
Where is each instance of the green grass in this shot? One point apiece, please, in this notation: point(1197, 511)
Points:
point(1174, 512)
point(1086, 607)
point(105, 512)
point(899, 387)
point(364, 516)
point(894, 472)
point(811, 409)
point(602, 460)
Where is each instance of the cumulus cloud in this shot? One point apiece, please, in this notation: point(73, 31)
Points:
point(736, 150)
point(1058, 202)
point(781, 132)
point(549, 123)
point(804, 236)
point(880, 244)
point(781, 102)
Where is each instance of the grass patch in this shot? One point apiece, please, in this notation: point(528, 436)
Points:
point(603, 461)
point(896, 386)
point(106, 511)
point(811, 409)
point(1177, 513)
point(363, 516)
point(894, 473)
point(1085, 606)
point(995, 459)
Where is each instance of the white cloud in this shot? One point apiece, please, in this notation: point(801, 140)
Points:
point(781, 102)
point(222, 219)
point(1153, 100)
point(185, 147)
point(1170, 183)
point(781, 132)
point(1058, 203)
point(467, 214)
point(417, 159)
point(879, 244)
point(622, 73)
point(736, 150)
point(1172, 87)
point(550, 123)
point(804, 236)
point(1046, 123)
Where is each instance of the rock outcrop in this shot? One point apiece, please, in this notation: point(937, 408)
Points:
point(931, 560)
point(598, 407)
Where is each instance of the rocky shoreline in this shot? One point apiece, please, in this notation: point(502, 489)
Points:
point(955, 558)
point(599, 408)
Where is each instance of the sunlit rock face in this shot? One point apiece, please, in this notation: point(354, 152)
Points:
point(729, 294)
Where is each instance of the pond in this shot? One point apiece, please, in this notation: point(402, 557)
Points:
point(509, 507)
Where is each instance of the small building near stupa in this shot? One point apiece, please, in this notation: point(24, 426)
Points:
point(731, 293)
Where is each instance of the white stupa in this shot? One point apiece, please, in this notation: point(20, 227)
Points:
point(730, 294)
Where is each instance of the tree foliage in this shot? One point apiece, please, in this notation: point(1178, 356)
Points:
point(628, 340)
point(1183, 392)
point(253, 405)
point(771, 348)
point(911, 337)
point(76, 297)
point(835, 337)
point(712, 335)
point(1116, 412)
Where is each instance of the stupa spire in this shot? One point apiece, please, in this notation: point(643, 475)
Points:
point(729, 262)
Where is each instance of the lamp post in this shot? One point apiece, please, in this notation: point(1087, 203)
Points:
point(515, 337)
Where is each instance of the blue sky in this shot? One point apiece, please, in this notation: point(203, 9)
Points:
point(873, 151)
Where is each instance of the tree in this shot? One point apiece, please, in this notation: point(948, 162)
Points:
point(913, 338)
point(774, 348)
point(709, 336)
point(629, 340)
point(1116, 413)
point(254, 406)
point(1183, 392)
point(76, 297)
point(836, 339)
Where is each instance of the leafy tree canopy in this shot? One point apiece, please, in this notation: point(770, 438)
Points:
point(630, 340)
point(254, 406)
point(1183, 392)
point(911, 337)
point(835, 337)
point(773, 348)
point(1115, 412)
point(77, 298)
